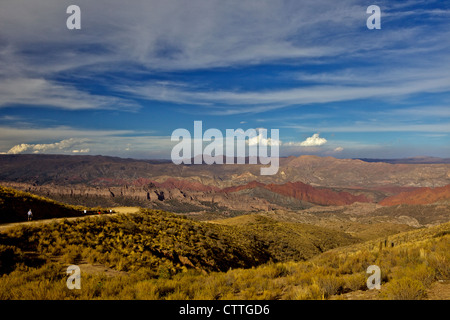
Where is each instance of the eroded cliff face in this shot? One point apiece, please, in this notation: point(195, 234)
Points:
point(186, 196)
point(300, 183)
point(149, 196)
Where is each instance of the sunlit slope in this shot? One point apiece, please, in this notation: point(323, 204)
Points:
point(152, 240)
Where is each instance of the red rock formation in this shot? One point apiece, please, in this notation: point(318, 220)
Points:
point(305, 192)
point(419, 196)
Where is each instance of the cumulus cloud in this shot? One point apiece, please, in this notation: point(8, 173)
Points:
point(313, 141)
point(338, 149)
point(61, 146)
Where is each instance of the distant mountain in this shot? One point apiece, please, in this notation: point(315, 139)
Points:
point(413, 160)
point(226, 189)
point(313, 170)
point(332, 172)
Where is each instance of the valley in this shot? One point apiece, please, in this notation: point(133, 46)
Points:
point(195, 232)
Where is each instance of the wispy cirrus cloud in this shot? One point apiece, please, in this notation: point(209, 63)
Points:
point(362, 126)
point(165, 36)
point(231, 102)
point(42, 92)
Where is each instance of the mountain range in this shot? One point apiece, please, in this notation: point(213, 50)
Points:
point(301, 182)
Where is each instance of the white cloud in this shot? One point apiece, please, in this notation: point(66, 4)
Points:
point(62, 146)
point(313, 141)
point(169, 34)
point(338, 149)
point(18, 149)
point(81, 151)
point(165, 35)
point(121, 143)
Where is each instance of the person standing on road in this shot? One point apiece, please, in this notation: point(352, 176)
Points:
point(30, 215)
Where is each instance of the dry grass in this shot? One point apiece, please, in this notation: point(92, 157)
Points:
point(418, 259)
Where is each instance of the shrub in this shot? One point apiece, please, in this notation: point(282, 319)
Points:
point(72, 254)
point(404, 289)
point(426, 275)
point(146, 290)
point(329, 285)
point(276, 270)
point(440, 264)
point(164, 271)
point(312, 292)
point(355, 282)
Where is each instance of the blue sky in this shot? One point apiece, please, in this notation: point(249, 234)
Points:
point(136, 71)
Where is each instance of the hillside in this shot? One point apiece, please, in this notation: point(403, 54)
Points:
point(156, 255)
point(288, 241)
point(155, 239)
point(15, 204)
